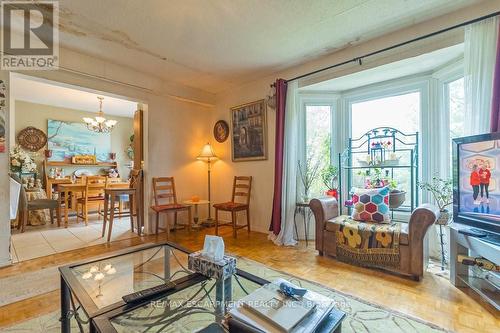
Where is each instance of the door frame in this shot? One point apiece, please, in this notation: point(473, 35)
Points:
point(84, 85)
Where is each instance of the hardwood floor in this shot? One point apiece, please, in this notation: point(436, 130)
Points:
point(434, 299)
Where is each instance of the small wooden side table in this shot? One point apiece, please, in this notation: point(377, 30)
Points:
point(303, 209)
point(196, 204)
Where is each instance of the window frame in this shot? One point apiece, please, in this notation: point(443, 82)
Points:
point(321, 99)
point(433, 126)
point(444, 77)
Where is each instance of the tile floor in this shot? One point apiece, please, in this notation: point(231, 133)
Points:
point(45, 240)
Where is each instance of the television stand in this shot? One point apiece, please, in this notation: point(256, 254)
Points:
point(460, 275)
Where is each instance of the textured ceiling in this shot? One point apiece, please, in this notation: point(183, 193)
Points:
point(216, 44)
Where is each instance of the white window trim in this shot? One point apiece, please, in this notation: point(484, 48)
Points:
point(433, 127)
point(321, 99)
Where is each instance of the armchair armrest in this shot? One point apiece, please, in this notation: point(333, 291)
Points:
point(421, 219)
point(323, 209)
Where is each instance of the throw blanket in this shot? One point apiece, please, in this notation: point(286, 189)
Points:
point(368, 244)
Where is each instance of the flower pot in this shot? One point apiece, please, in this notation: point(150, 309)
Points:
point(332, 193)
point(396, 198)
point(444, 217)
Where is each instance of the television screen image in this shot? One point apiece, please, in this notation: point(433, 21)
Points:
point(479, 180)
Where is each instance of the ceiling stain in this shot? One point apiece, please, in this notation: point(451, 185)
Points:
point(80, 26)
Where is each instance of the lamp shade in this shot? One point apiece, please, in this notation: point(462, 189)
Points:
point(207, 153)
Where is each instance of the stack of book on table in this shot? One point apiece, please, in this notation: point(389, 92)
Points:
point(269, 309)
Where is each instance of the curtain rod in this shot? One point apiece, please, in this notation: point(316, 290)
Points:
point(360, 58)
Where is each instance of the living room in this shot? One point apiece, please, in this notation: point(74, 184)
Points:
point(282, 112)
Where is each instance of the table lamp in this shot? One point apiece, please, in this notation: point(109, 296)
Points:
point(207, 154)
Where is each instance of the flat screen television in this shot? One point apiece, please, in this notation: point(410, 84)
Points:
point(476, 181)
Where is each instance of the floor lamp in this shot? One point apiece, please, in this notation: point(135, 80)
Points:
point(207, 154)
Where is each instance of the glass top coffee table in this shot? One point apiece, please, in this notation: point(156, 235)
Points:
point(95, 287)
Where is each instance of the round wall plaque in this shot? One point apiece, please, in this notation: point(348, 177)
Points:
point(221, 131)
point(32, 139)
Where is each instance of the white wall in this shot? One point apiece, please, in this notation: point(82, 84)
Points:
point(180, 119)
point(37, 115)
point(263, 171)
point(177, 124)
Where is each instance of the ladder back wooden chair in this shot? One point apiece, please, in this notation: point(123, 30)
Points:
point(240, 201)
point(92, 194)
point(165, 201)
point(112, 194)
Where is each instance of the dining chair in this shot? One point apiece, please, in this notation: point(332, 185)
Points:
point(165, 201)
point(240, 201)
point(26, 206)
point(112, 194)
point(92, 194)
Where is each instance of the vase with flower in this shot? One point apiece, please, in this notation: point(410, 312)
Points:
point(308, 172)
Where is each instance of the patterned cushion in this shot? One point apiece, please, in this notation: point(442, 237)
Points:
point(371, 205)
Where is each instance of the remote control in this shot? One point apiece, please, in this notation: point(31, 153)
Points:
point(147, 293)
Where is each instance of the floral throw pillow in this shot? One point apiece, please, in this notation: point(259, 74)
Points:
point(371, 205)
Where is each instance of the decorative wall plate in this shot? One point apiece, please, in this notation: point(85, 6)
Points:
point(32, 138)
point(221, 131)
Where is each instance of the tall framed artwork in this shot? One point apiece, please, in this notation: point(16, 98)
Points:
point(3, 93)
point(67, 139)
point(249, 131)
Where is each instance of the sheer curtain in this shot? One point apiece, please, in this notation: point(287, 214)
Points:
point(290, 160)
point(479, 64)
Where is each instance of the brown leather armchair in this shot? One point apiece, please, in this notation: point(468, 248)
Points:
point(411, 238)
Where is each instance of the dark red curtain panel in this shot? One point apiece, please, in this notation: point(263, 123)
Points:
point(281, 87)
point(495, 102)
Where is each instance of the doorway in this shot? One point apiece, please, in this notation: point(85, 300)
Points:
point(79, 147)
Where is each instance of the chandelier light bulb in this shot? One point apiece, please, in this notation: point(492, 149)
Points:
point(111, 271)
point(100, 124)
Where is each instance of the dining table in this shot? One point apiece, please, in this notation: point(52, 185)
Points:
point(67, 194)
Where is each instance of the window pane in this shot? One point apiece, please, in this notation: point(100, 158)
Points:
point(401, 112)
point(318, 143)
point(456, 103)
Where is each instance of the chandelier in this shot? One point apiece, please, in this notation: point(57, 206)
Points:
point(99, 124)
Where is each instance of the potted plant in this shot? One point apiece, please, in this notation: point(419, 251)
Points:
point(330, 175)
point(396, 197)
point(307, 172)
point(442, 192)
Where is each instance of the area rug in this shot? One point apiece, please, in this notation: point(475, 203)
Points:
point(22, 286)
point(362, 316)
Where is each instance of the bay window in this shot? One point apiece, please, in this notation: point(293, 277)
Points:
point(430, 105)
